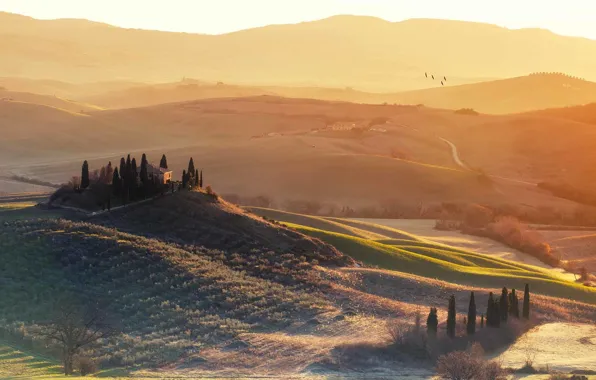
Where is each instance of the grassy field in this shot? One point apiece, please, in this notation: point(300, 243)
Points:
point(399, 251)
point(17, 363)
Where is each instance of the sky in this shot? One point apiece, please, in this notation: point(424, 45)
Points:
point(569, 17)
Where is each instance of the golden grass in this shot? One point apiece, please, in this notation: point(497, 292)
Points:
point(15, 205)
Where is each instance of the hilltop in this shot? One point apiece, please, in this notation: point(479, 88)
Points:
point(291, 54)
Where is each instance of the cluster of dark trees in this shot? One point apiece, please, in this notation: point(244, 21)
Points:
point(131, 182)
point(192, 177)
point(498, 311)
point(128, 182)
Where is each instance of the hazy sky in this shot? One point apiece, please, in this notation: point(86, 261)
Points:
point(569, 17)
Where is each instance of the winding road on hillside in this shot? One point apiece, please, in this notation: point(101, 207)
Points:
point(454, 153)
point(459, 162)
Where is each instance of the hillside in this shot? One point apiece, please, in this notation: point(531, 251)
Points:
point(63, 89)
point(300, 54)
point(248, 145)
point(150, 95)
point(45, 100)
point(396, 250)
point(201, 288)
point(514, 95)
point(183, 297)
point(581, 113)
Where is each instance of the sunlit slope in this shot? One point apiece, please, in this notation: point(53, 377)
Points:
point(418, 256)
point(451, 266)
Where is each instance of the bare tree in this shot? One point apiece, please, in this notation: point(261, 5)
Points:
point(75, 327)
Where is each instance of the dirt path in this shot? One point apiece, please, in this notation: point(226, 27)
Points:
point(455, 154)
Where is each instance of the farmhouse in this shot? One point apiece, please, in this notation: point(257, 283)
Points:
point(157, 174)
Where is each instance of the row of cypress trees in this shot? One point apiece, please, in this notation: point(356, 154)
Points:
point(498, 311)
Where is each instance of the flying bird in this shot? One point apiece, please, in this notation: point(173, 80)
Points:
point(426, 75)
point(445, 78)
point(441, 83)
point(433, 77)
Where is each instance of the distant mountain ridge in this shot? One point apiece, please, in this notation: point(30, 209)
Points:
point(363, 52)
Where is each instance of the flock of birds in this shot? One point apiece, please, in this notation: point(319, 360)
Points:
point(433, 77)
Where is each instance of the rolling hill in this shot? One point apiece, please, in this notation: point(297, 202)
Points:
point(403, 252)
point(514, 95)
point(582, 113)
point(334, 52)
point(45, 100)
point(506, 96)
point(339, 154)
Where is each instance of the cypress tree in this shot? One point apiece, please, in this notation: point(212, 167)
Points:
point(127, 193)
point(85, 175)
point(451, 318)
point(143, 173)
point(122, 167)
point(116, 182)
point(197, 178)
point(490, 310)
point(201, 179)
point(134, 175)
point(164, 162)
point(504, 304)
point(109, 172)
point(513, 304)
point(133, 168)
point(184, 179)
point(471, 325)
point(191, 168)
point(497, 313)
point(432, 322)
point(526, 311)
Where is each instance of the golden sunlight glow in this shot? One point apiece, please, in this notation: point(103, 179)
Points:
point(571, 17)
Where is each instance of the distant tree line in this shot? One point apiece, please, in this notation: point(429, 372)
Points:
point(557, 74)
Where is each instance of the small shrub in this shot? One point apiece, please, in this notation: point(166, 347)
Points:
point(466, 111)
point(558, 376)
point(408, 339)
point(469, 365)
point(210, 191)
point(477, 216)
point(86, 366)
point(446, 225)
